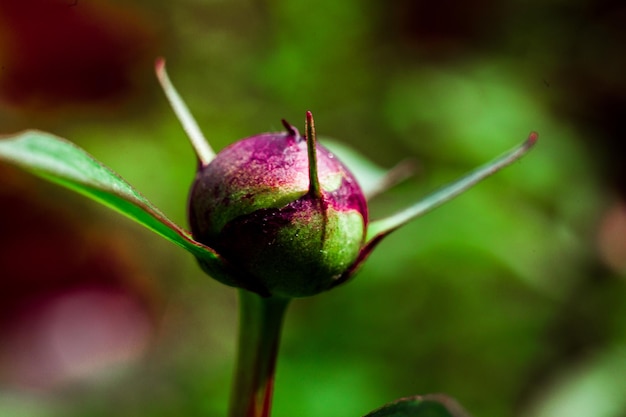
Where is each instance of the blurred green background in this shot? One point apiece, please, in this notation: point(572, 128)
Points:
point(510, 299)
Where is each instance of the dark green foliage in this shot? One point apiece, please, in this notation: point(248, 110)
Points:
point(421, 406)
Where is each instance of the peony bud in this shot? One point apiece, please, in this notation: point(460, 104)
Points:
point(288, 223)
point(275, 214)
point(279, 215)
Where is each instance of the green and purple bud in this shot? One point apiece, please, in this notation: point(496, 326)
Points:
point(283, 217)
point(288, 221)
point(276, 213)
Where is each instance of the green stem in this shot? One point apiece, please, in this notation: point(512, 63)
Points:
point(260, 324)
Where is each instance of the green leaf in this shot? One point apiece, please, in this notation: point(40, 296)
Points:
point(434, 405)
point(64, 163)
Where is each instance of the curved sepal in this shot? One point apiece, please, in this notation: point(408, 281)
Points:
point(433, 405)
point(60, 161)
point(381, 228)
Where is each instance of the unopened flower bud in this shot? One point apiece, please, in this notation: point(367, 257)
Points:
point(287, 223)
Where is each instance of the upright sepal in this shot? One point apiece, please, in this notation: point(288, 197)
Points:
point(201, 146)
point(315, 189)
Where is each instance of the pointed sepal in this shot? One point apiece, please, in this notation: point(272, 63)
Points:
point(201, 146)
point(379, 229)
point(383, 227)
point(315, 189)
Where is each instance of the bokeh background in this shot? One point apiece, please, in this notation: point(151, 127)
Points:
point(510, 299)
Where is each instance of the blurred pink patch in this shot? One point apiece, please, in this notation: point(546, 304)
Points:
point(612, 237)
point(74, 302)
point(76, 335)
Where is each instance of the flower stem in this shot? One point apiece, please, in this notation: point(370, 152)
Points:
point(260, 325)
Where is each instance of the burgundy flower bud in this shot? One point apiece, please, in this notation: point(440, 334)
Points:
point(279, 215)
point(287, 223)
point(276, 213)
